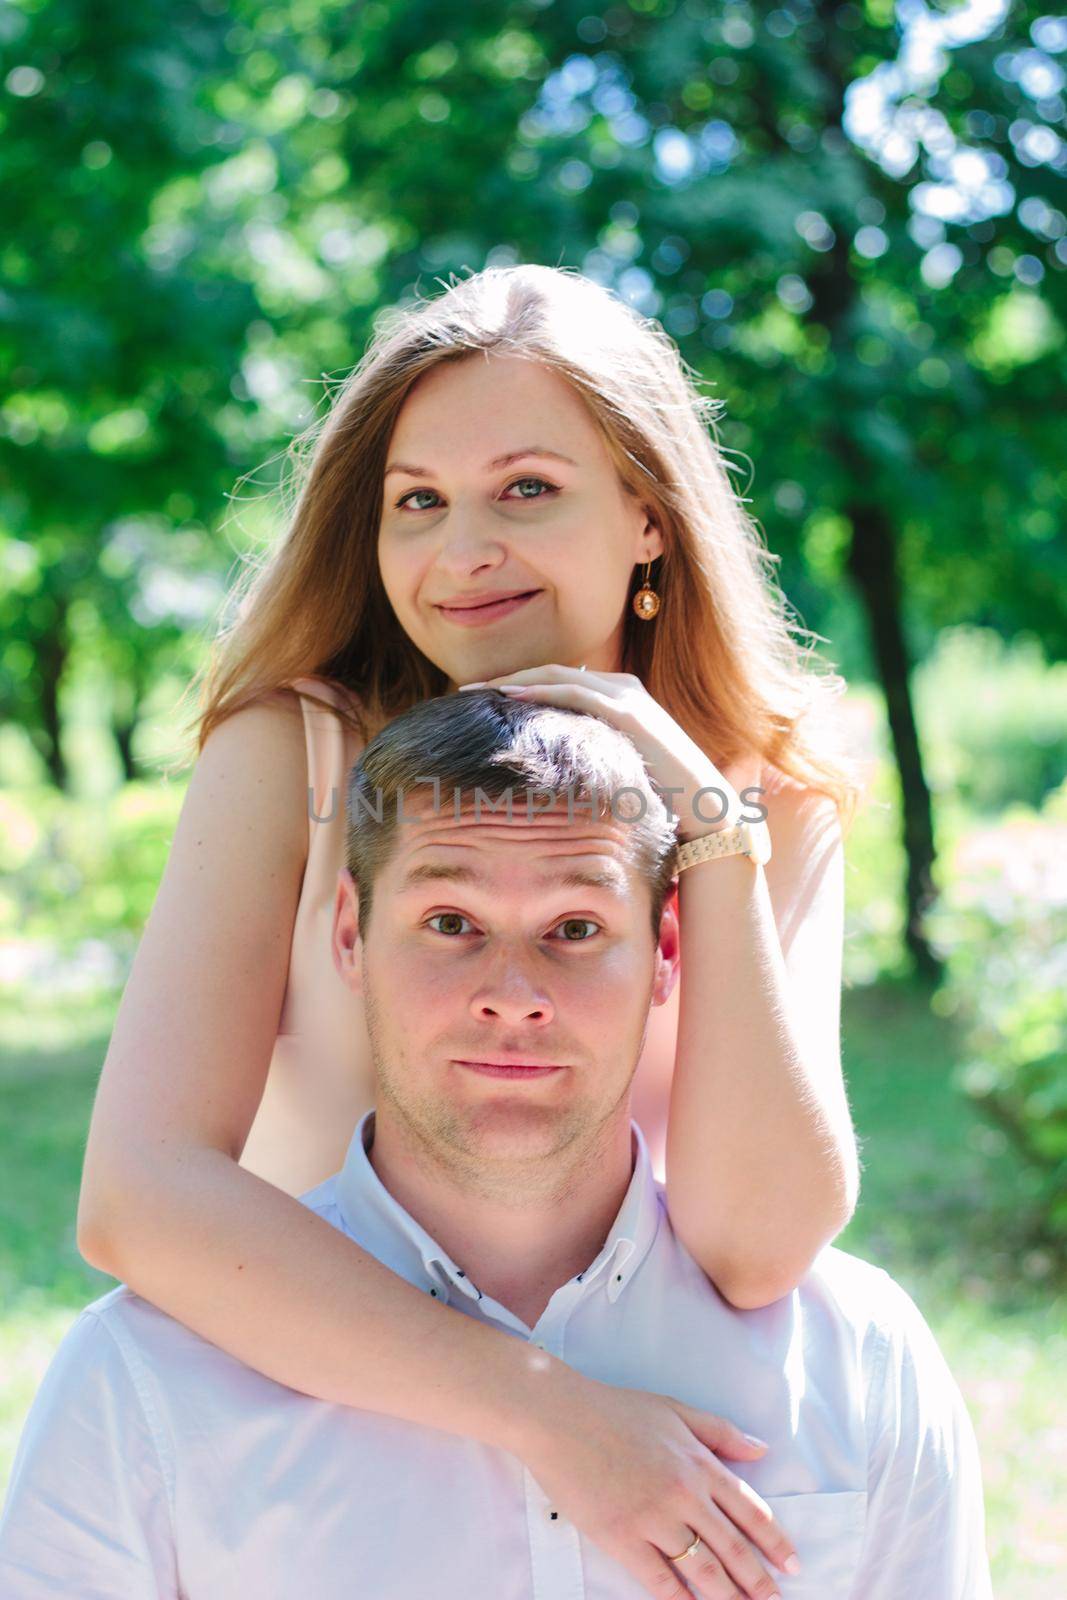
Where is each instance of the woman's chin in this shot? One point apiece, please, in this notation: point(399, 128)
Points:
point(481, 667)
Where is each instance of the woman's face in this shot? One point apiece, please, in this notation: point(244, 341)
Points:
point(472, 525)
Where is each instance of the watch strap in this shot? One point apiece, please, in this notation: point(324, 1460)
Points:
point(743, 839)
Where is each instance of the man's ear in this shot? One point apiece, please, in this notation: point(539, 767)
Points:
point(668, 949)
point(346, 943)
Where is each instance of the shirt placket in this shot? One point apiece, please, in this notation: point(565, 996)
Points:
point(555, 1547)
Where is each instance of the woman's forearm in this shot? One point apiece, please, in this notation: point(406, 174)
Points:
point(257, 1273)
point(761, 1156)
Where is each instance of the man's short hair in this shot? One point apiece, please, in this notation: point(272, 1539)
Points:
point(496, 751)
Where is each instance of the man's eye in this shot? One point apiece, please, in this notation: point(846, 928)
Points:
point(453, 916)
point(568, 922)
point(544, 483)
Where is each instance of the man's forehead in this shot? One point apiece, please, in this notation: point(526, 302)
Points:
point(465, 847)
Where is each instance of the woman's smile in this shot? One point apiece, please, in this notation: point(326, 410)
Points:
point(478, 615)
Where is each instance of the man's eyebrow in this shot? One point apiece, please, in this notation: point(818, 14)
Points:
point(439, 872)
point(497, 461)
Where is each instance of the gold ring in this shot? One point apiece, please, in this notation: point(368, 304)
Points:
point(691, 1551)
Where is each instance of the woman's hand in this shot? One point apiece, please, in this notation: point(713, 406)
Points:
point(674, 761)
point(638, 1474)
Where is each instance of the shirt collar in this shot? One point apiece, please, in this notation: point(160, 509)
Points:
point(380, 1223)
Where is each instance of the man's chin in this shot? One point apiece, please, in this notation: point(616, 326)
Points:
point(512, 1128)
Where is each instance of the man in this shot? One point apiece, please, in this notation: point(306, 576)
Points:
point(508, 953)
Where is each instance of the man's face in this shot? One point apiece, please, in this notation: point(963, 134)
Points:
point(512, 965)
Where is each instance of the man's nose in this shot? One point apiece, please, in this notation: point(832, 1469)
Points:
point(512, 991)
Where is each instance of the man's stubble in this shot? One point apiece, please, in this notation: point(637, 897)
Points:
point(440, 1135)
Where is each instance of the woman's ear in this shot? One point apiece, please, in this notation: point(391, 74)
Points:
point(652, 545)
point(346, 943)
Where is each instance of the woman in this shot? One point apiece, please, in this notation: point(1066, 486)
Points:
point(240, 1063)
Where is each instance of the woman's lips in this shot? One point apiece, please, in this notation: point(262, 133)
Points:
point(477, 616)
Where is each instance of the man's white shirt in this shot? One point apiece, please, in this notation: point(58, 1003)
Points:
point(152, 1464)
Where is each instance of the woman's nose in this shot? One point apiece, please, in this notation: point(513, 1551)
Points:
point(469, 536)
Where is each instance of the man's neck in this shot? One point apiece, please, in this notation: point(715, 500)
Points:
point(518, 1243)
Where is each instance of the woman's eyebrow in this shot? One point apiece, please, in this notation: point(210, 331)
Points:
point(497, 461)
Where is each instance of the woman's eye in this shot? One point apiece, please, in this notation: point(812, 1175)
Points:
point(569, 922)
point(551, 487)
point(544, 485)
point(406, 497)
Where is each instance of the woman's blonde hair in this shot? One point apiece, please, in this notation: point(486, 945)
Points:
point(724, 655)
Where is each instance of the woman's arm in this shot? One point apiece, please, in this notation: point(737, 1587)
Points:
point(762, 1167)
point(166, 1207)
point(164, 1204)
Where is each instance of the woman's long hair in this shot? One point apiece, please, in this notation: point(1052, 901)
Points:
point(724, 655)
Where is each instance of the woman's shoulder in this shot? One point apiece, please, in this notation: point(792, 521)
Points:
point(328, 695)
point(805, 827)
point(324, 687)
point(245, 794)
point(792, 797)
point(758, 781)
point(804, 822)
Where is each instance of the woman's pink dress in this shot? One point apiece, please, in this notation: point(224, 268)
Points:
point(321, 1077)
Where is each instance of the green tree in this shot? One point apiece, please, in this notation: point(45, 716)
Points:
point(852, 236)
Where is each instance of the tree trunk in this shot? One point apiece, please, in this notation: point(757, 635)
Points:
point(123, 735)
point(125, 710)
point(51, 659)
point(872, 558)
point(872, 566)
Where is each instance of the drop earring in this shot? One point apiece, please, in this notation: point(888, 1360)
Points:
point(646, 600)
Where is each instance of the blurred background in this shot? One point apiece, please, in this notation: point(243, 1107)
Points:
point(850, 218)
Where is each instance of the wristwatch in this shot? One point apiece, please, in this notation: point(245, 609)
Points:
point(752, 839)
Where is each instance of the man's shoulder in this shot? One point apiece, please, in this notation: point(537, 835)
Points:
point(143, 1332)
point(856, 1290)
point(136, 1330)
point(116, 1312)
point(880, 1312)
point(859, 1285)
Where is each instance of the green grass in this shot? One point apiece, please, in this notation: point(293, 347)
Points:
point(939, 1209)
point(45, 1098)
point(942, 1208)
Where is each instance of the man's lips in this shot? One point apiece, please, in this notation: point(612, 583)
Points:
point(510, 1069)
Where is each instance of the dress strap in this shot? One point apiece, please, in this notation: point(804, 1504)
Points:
point(324, 738)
